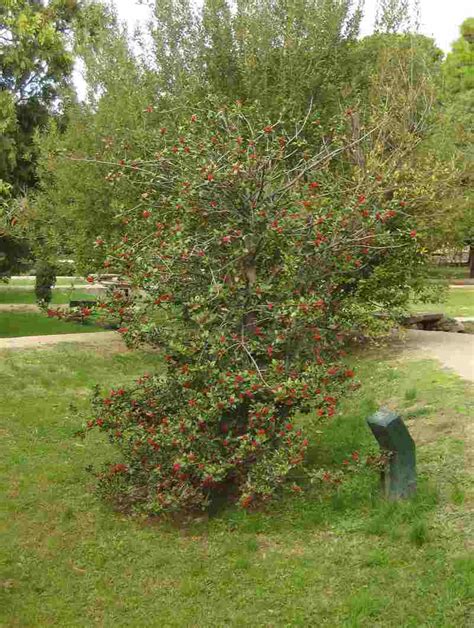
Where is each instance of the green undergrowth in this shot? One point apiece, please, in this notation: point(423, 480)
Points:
point(340, 557)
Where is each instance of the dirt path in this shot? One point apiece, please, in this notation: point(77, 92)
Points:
point(83, 287)
point(18, 307)
point(108, 340)
point(454, 351)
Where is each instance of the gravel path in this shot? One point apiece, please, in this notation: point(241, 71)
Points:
point(454, 351)
point(82, 287)
point(19, 307)
point(107, 340)
point(462, 286)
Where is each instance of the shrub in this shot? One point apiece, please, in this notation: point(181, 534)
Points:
point(253, 249)
point(65, 267)
point(45, 279)
point(71, 315)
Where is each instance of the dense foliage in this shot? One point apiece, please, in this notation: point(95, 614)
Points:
point(281, 62)
point(456, 135)
point(34, 66)
point(34, 69)
point(284, 64)
point(258, 175)
point(253, 249)
point(44, 281)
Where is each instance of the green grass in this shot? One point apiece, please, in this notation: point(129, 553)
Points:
point(448, 273)
point(459, 302)
point(345, 559)
point(16, 324)
point(28, 296)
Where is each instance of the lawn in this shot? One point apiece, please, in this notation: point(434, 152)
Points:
point(459, 302)
point(449, 273)
point(8, 295)
point(16, 324)
point(343, 559)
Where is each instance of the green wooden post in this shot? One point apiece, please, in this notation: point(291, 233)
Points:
point(399, 477)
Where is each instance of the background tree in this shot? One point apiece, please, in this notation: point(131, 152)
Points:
point(281, 54)
point(189, 51)
point(35, 66)
point(393, 16)
point(282, 57)
point(77, 200)
point(459, 65)
point(456, 132)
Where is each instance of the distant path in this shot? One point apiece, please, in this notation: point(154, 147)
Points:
point(33, 277)
point(20, 307)
point(454, 351)
point(83, 287)
point(107, 340)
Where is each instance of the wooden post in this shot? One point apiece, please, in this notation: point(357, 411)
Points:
point(399, 476)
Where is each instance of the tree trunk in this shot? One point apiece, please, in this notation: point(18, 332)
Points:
point(471, 262)
point(356, 150)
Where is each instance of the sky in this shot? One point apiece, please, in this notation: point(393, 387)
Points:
point(440, 19)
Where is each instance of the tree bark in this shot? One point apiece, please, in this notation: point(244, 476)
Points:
point(356, 152)
point(471, 261)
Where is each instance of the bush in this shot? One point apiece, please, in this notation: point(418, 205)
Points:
point(65, 267)
point(44, 281)
point(253, 249)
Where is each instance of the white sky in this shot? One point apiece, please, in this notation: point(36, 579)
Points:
point(440, 19)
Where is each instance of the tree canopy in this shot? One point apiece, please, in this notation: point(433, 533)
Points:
point(456, 135)
point(35, 66)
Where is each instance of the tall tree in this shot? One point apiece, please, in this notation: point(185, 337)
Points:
point(35, 65)
point(459, 66)
point(283, 54)
point(393, 16)
point(457, 131)
point(76, 200)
